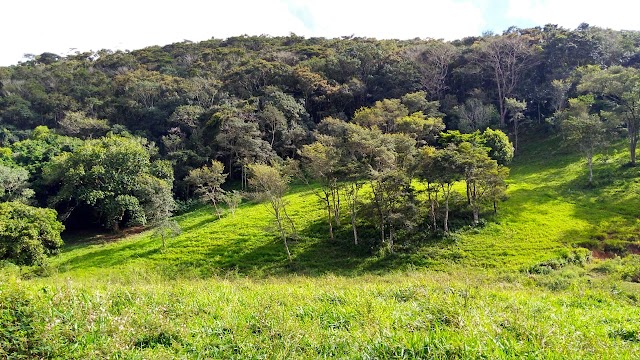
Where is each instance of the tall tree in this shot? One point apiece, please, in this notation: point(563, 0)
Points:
point(14, 184)
point(271, 184)
point(507, 57)
point(583, 130)
point(208, 181)
point(515, 108)
point(620, 87)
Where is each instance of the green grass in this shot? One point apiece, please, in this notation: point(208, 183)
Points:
point(517, 287)
point(402, 315)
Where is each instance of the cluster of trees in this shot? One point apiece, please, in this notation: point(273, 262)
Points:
point(608, 103)
point(388, 148)
point(111, 138)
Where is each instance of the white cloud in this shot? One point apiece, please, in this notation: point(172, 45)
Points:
point(37, 26)
point(615, 14)
point(402, 19)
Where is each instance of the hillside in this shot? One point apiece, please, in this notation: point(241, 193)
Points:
point(550, 209)
point(224, 289)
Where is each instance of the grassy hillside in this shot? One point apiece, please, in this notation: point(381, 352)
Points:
point(515, 288)
point(550, 208)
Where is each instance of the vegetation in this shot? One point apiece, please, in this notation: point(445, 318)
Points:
point(28, 234)
point(375, 164)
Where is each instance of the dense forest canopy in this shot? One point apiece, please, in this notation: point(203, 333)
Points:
point(350, 110)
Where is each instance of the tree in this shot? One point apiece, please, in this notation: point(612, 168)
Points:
point(240, 140)
point(113, 175)
point(233, 199)
point(383, 115)
point(474, 115)
point(270, 184)
point(500, 148)
point(208, 181)
point(585, 131)
point(447, 168)
point(433, 60)
point(14, 184)
point(321, 163)
point(620, 87)
point(76, 123)
point(507, 57)
point(477, 166)
point(167, 229)
point(515, 108)
point(28, 234)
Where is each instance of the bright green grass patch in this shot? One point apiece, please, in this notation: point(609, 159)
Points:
point(402, 315)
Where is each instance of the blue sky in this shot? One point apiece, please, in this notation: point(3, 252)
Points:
point(66, 26)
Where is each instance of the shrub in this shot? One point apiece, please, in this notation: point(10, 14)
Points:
point(28, 234)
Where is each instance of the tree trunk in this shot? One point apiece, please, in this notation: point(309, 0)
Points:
point(329, 217)
point(468, 192)
point(433, 208)
point(475, 206)
point(590, 161)
point(515, 144)
point(335, 199)
point(391, 239)
point(446, 208)
point(354, 201)
point(633, 141)
point(476, 216)
point(283, 234)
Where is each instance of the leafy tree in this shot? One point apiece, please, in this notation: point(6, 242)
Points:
point(76, 123)
point(447, 167)
point(620, 86)
point(240, 139)
point(474, 115)
point(28, 234)
point(383, 115)
point(233, 199)
point(270, 184)
point(113, 176)
point(322, 161)
point(167, 229)
point(477, 166)
point(515, 108)
point(14, 184)
point(208, 181)
point(433, 60)
point(500, 148)
point(585, 131)
point(507, 57)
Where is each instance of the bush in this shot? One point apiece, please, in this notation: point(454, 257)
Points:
point(28, 234)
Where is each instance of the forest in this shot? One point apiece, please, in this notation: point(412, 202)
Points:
point(109, 139)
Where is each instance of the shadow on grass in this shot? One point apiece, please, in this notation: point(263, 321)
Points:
point(111, 256)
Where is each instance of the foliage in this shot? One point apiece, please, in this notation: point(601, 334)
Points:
point(208, 181)
point(167, 229)
point(112, 175)
point(270, 185)
point(14, 185)
point(28, 234)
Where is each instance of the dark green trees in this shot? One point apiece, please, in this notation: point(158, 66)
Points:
point(116, 177)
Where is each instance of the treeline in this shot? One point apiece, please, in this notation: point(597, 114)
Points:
point(159, 113)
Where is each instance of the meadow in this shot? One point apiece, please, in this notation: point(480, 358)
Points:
point(554, 275)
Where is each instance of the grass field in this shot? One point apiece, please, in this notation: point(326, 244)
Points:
point(519, 287)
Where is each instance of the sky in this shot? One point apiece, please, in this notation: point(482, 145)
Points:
point(68, 26)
